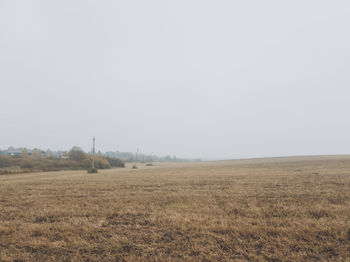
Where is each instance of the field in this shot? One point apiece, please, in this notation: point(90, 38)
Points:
point(283, 209)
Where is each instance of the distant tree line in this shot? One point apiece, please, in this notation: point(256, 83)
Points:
point(124, 156)
point(38, 160)
point(144, 158)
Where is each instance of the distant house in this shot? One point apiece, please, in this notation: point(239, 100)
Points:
point(14, 153)
point(60, 154)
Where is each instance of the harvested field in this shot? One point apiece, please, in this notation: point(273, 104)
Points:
point(283, 209)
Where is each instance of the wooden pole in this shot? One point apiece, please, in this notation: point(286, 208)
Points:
point(93, 153)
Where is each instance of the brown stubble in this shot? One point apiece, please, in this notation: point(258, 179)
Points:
point(255, 210)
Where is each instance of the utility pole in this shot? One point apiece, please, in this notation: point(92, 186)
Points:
point(93, 152)
point(136, 157)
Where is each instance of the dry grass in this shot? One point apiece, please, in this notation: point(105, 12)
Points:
point(264, 210)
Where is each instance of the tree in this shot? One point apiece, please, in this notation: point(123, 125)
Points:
point(4, 161)
point(49, 154)
point(36, 154)
point(24, 153)
point(77, 154)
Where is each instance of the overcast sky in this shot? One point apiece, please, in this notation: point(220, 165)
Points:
point(192, 78)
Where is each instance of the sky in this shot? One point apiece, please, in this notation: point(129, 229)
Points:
point(199, 79)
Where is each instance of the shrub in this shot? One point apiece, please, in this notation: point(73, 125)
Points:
point(4, 161)
point(87, 162)
point(115, 162)
point(92, 170)
point(4, 171)
point(77, 160)
point(26, 164)
point(100, 162)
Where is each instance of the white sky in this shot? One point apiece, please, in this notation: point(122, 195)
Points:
point(211, 79)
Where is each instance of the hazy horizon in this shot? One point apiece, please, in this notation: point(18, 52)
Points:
point(195, 79)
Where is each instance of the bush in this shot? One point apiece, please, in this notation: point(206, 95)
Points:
point(86, 163)
point(26, 164)
point(4, 161)
point(78, 160)
point(100, 162)
point(115, 162)
point(4, 172)
point(92, 170)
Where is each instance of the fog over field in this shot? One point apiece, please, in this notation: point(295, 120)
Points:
point(197, 79)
